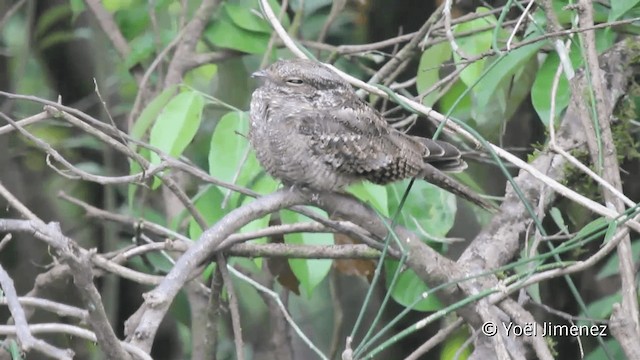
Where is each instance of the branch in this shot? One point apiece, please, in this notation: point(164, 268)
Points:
point(604, 100)
point(157, 302)
point(182, 58)
point(25, 338)
point(71, 330)
point(76, 258)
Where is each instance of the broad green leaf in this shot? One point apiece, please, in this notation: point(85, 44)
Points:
point(142, 48)
point(372, 194)
point(310, 272)
point(341, 27)
point(611, 230)
point(201, 76)
point(527, 269)
point(431, 63)
point(428, 210)
point(224, 33)
point(409, 288)
point(600, 309)
point(498, 78)
point(115, 5)
point(620, 7)
point(451, 349)
point(541, 90)
point(264, 185)
point(77, 7)
point(592, 227)
point(519, 87)
point(158, 263)
point(246, 19)
point(611, 267)
point(136, 21)
point(257, 224)
point(151, 112)
point(13, 347)
point(177, 124)
point(208, 204)
point(462, 109)
point(230, 156)
point(614, 351)
point(254, 8)
point(473, 45)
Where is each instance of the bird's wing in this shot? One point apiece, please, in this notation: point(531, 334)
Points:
point(356, 140)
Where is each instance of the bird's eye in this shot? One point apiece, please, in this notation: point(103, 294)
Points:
point(294, 81)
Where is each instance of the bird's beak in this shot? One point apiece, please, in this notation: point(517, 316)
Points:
point(259, 74)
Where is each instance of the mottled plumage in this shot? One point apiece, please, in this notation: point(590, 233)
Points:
point(311, 130)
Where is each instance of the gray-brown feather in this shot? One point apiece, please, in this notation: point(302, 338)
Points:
point(310, 129)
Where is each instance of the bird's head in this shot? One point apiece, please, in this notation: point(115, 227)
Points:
point(300, 77)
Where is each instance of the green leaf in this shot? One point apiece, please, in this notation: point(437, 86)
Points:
point(527, 269)
point(151, 112)
point(462, 108)
point(451, 349)
point(257, 224)
point(201, 76)
point(208, 204)
point(228, 146)
point(541, 90)
point(177, 124)
point(310, 272)
point(14, 349)
point(244, 18)
point(611, 267)
point(136, 21)
point(431, 63)
point(230, 156)
point(614, 350)
point(600, 309)
point(115, 5)
point(592, 227)
point(409, 288)
point(620, 7)
point(142, 48)
point(428, 210)
point(556, 215)
point(473, 45)
point(224, 33)
point(372, 194)
point(611, 230)
point(77, 7)
point(498, 78)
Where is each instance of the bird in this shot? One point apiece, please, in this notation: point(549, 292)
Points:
point(310, 130)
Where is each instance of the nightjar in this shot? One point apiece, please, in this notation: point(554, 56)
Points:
point(310, 130)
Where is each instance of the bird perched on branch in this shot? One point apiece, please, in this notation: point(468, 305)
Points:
point(311, 130)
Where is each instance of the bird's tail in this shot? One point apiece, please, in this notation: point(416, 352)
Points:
point(440, 179)
point(442, 155)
